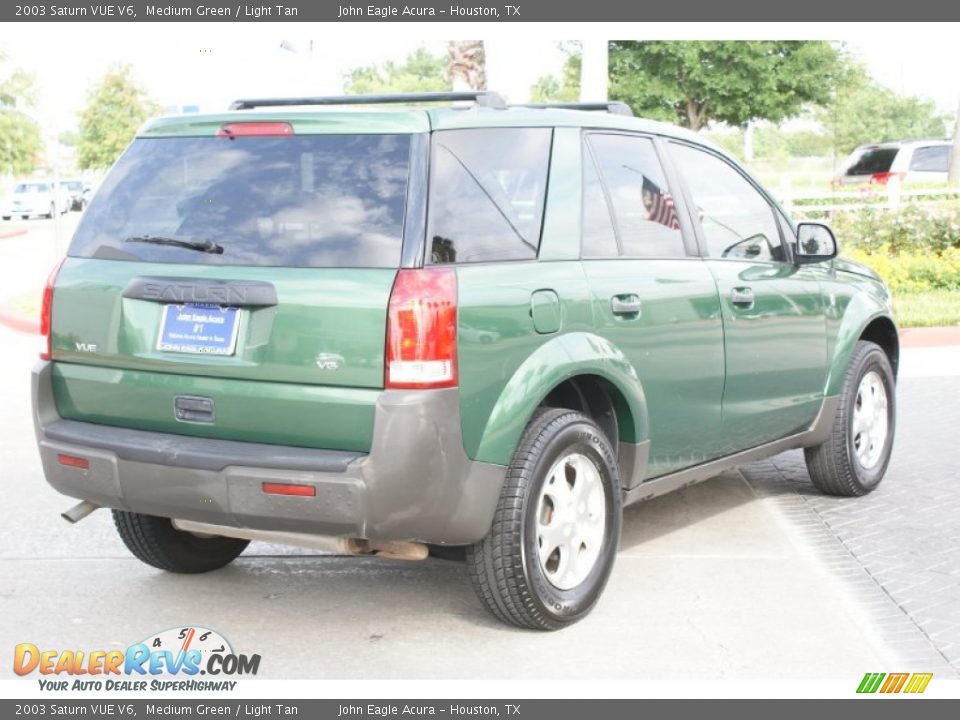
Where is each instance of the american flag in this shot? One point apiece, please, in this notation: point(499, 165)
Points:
point(659, 205)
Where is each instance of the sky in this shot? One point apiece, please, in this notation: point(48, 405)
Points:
point(210, 65)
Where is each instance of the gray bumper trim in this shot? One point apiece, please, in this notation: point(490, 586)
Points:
point(197, 453)
point(416, 483)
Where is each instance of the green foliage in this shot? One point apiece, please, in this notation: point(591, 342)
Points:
point(864, 112)
point(916, 249)
point(115, 109)
point(695, 82)
point(912, 229)
point(566, 88)
point(20, 141)
point(419, 72)
point(935, 308)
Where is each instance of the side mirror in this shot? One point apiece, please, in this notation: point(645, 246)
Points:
point(815, 243)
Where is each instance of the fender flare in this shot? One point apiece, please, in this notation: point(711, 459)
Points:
point(559, 359)
point(859, 314)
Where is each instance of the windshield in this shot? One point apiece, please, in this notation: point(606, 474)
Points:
point(32, 188)
point(293, 201)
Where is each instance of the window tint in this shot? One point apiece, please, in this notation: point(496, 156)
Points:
point(598, 238)
point(872, 160)
point(737, 220)
point(487, 194)
point(646, 218)
point(935, 158)
point(296, 201)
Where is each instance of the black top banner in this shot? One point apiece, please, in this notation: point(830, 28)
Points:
point(479, 11)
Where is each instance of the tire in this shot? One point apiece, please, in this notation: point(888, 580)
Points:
point(52, 212)
point(852, 462)
point(156, 542)
point(515, 584)
point(6, 217)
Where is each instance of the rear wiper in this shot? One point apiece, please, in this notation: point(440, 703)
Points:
point(207, 246)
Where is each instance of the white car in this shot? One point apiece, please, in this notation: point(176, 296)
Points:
point(36, 198)
point(906, 161)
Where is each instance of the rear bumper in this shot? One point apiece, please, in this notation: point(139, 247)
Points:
point(416, 483)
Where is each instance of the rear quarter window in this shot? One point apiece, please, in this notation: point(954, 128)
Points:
point(933, 158)
point(487, 194)
point(292, 201)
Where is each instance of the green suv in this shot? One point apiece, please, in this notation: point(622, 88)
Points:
point(390, 329)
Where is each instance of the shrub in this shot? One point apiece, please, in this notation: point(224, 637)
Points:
point(910, 230)
point(911, 272)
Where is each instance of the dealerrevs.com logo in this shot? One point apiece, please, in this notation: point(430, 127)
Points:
point(174, 659)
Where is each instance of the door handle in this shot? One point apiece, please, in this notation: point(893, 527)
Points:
point(742, 296)
point(628, 304)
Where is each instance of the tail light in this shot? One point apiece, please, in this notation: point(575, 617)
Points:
point(46, 314)
point(882, 178)
point(422, 330)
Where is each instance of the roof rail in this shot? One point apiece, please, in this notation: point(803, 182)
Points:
point(614, 106)
point(482, 98)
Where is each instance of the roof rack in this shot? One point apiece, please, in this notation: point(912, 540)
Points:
point(481, 98)
point(615, 107)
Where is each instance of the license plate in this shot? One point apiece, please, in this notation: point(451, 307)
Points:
point(198, 329)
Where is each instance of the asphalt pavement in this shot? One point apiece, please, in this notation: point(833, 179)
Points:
point(746, 576)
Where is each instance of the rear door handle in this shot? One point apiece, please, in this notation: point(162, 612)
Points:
point(627, 304)
point(742, 296)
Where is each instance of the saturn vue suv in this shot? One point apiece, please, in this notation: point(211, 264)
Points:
point(397, 325)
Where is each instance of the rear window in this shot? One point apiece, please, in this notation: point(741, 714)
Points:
point(292, 201)
point(873, 160)
point(933, 158)
point(487, 193)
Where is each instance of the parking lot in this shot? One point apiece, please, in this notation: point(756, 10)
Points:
point(750, 575)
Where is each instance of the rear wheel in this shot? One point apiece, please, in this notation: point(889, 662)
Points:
point(155, 541)
point(51, 212)
point(853, 459)
point(556, 529)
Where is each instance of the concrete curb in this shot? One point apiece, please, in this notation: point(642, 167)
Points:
point(930, 336)
point(14, 232)
point(19, 322)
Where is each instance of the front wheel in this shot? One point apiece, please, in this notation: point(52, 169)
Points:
point(548, 556)
point(853, 459)
point(155, 541)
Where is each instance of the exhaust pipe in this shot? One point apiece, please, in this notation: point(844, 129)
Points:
point(387, 549)
point(79, 511)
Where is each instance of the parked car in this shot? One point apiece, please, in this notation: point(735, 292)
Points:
point(904, 161)
point(35, 199)
point(78, 193)
point(487, 328)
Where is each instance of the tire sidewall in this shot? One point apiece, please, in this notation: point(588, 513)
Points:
point(874, 360)
point(568, 605)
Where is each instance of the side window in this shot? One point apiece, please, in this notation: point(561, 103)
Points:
point(487, 194)
point(598, 238)
point(935, 158)
point(737, 220)
point(643, 207)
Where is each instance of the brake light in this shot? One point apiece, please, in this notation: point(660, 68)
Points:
point(882, 178)
point(46, 314)
point(255, 129)
point(422, 330)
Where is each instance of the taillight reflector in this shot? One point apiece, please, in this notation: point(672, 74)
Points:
point(422, 330)
point(289, 489)
point(255, 129)
point(73, 461)
point(882, 178)
point(46, 314)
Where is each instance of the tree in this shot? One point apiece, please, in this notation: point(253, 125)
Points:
point(864, 111)
point(467, 64)
point(566, 88)
point(116, 107)
point(20, 141)
point(420, 72)
point(694, 83)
